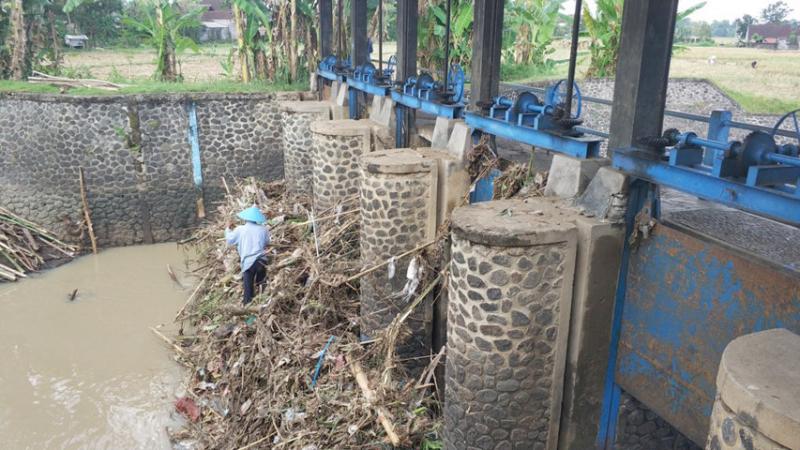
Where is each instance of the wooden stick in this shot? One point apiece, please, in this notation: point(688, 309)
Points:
point(378, 266)
point(167, 340)
point(318, 219)
point(369, 395)
point(191, 297)
point(86, 214)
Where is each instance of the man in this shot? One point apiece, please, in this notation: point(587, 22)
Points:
point(251, 240)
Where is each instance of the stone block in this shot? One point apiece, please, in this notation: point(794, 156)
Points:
point(606, 196)
point(441, 131)
point(398, 213)
point(568, 176)
point(596, 272)
point(341, 95)
point(460, 141)
point(510, 289)
point(453, 181)
point(382, 111)
point(757, 406)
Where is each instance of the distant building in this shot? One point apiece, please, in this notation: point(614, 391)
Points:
point(76, 40)
point(769, 35)
point(216, 22)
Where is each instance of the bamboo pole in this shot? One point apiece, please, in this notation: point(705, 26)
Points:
point(86, 213)
point(369, 395)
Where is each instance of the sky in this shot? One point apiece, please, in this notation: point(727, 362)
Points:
point(717, 9)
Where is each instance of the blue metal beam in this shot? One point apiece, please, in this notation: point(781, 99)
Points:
point(330, 75)
point(453, 111)
point(580, 147)
point(773, 203)
point(371, 89)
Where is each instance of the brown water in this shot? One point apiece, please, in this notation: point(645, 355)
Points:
point(90, 374)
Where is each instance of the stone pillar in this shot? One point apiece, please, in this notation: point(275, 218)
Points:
point(568, 176)
point(398, 213)
point(758, 394)
point(337, 147)
point(510, 292)
point(297, 157)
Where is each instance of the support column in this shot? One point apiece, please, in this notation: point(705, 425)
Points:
point(640, 89)
point(358, 28)
point(325, 28)
point(398, 213)
point(298, 167)
point(407, 18)
point(337, 147)
point(487, 41)
point(510, 291)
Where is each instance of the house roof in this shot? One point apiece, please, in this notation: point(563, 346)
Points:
point(770, 30)
point(216, 10)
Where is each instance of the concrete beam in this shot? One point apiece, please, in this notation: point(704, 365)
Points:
point(325, 28)
point(487, 39)
point(358, 28)
point(640, 89)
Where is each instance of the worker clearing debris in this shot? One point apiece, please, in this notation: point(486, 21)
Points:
point(251, 240)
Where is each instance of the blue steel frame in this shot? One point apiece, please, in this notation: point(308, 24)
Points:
point(355, 86)
point(579, 147)
point(402, 101)
point(774, 203)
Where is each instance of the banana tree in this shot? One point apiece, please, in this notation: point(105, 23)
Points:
point(605, 28)
point(431, 33)
point(163, 25)
point(533, 22)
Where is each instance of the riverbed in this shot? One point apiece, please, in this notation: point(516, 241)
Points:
point(88, 373)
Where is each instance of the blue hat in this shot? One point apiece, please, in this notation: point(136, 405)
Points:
point(252, 214)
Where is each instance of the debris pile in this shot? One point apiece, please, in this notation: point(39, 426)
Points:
point(26, 246)
point(289, 370)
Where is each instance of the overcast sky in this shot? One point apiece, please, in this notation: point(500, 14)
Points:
point(717, 9)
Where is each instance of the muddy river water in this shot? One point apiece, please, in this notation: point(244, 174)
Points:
point(89, 373)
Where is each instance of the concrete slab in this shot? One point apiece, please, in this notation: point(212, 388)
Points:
point(596, 271)
point(606, 196)
point(568, 177)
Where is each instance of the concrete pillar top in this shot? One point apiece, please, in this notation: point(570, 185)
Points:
point(396, 160)
point(346, 127)
point(759, 379)
point(515, 223)
point(434, 152)
point(306, 106)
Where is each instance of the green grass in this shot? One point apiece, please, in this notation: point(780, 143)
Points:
point(762, 105)
point(154, 87)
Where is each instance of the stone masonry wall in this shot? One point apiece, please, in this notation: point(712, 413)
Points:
point(639, 428)
point(136, 157)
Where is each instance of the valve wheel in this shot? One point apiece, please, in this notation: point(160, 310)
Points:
point(791, 115)
point(557, 94)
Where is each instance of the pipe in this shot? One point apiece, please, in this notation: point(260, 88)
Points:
point(573, 56)
point(783, 159)
point(380, 38)
point(447, 48)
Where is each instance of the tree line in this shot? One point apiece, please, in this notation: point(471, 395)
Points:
point(277, 40)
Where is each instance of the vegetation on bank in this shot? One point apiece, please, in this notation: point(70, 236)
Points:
point(157, 87)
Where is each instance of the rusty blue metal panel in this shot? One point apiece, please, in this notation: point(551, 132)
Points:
point(687, 298)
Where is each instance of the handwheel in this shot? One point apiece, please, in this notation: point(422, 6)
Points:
point(790, 115)
point(557, 94)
